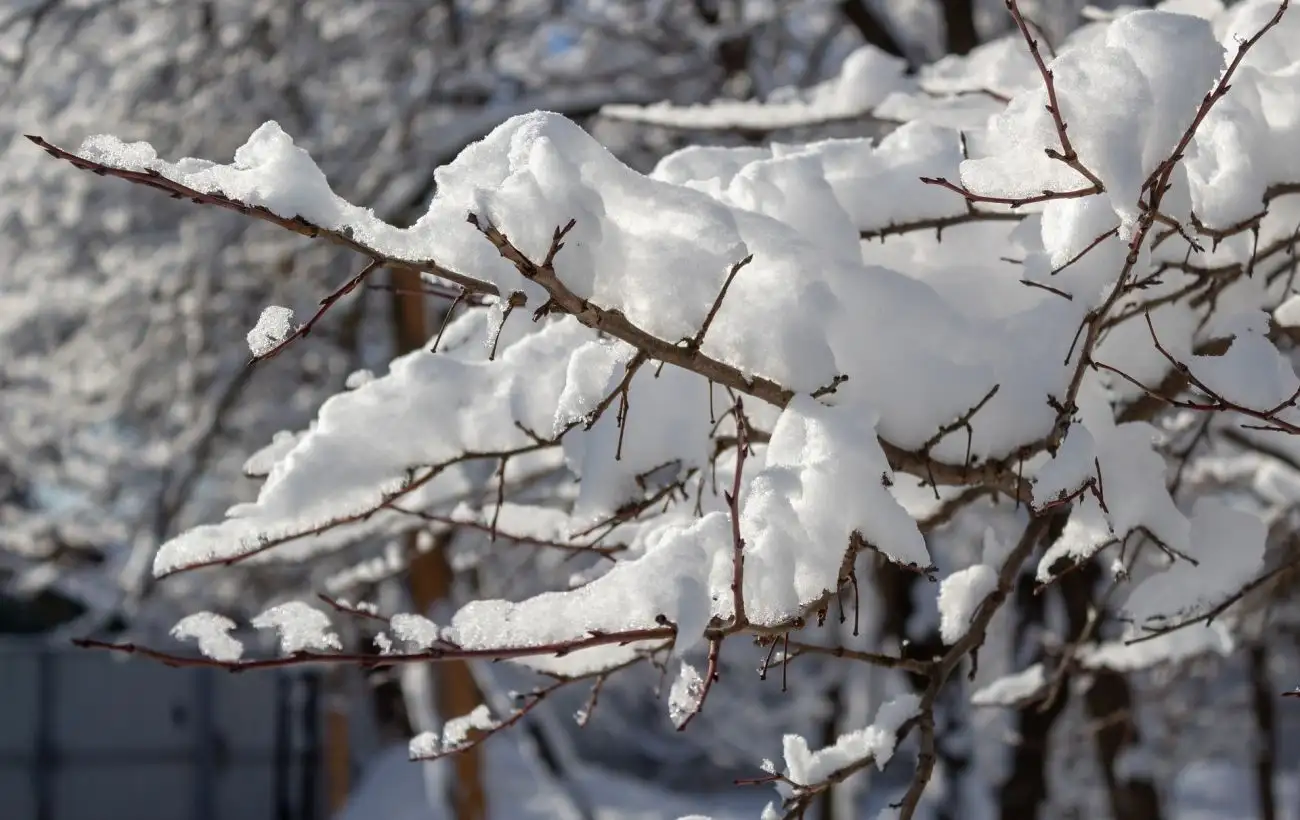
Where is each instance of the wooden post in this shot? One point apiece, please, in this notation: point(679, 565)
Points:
point(337, 743)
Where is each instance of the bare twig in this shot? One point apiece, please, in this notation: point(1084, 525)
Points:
point(325, 304)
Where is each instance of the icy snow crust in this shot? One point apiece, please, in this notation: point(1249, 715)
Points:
point(923, 332)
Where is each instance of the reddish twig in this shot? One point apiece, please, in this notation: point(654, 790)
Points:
point(733, 505)
point(605, 551)
point(356, 610)
point(325, 304)
point(710, 678)
point(1067, 154)
point(939, 223)
point(296, 224)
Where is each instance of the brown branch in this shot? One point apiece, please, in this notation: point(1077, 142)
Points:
point(939, 223)
point(916, 667)
point(531, 701)
point(1208, 617)
point(606, 551)
point(1091, 245)
point(1158, 182)
point(412, 484)
point(352, 609)
point(370, 661)
point(1067, 154)
point(1012, 201)
point(733, 505)
point(698, 342)
point(1215, 402)
point(325, 304)
point(298, 225)
point(436, 291)
point(710, 678)
point(948, 508)
point(614, 323)
point(939, 671)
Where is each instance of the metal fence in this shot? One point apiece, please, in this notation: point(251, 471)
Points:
point(87, 736)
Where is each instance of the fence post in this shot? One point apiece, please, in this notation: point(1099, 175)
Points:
point(45, 760)
point(283, 746)
point(205, 774)
point(311, 757)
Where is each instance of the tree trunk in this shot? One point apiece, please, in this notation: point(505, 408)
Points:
point(871, 27)
point(1109, 705)
point(337, 743)
point(959, 26)
point(1262, 695)
point(430, 580)
point(1022, 795)
point(831, 733)
point(895, 587)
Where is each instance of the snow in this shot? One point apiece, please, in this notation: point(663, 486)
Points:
point(357, 378)
point(455, 733)
point(1288, 313)
point(866, 78)
point(416, 631)
point(393, 788)
point(273, 327)
point(1013, 689)
point(1252, 373)
point(212, 632)
point(684, 698)
point(1228, 546)
point(1072, 467)
point(301, 628)
point(1170, 647)
point(876, 741)
point(1157, 63)
point(822, 481)
point(960, 597)
point(677, 557)
point(261, 462)
point(269, 171)
point(304, 490)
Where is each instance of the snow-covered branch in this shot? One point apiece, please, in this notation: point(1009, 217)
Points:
point(738, 386)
